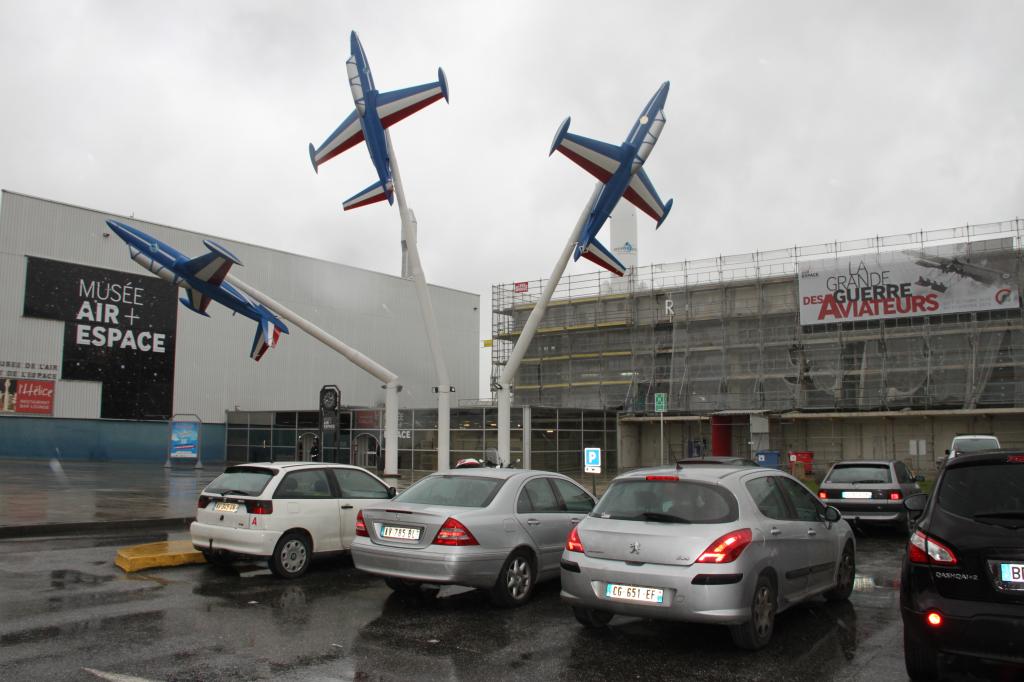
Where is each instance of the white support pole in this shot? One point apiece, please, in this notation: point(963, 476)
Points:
point(380, 372)
point(412, 254)
point(526, 336)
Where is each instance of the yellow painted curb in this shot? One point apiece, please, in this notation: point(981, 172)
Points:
point(158, 555)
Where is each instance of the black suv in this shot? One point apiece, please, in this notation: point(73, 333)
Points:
point(962, 590)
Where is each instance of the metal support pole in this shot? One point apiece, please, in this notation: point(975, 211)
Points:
point(389, 378)
point(444, 388)
point(662, 421)
point(526, 337)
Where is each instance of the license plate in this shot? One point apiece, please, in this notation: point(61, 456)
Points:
point(1011, 573)
point(856, 494)
point(226, 506)
point(400, 533)
point(651, 595)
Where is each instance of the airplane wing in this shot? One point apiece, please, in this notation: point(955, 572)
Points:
point(595, 252)
point(196, 301)
point(211, 267)
point(600, 159)
point(641, 193)
point(372, 194)
point(393, 106)
point(267, 334)
point(347, 135)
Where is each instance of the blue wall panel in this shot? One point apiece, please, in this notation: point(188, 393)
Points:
point(98, 440)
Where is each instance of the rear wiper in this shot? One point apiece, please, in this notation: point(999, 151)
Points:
point(872, 481)
point(232, 492)
point(667, 518)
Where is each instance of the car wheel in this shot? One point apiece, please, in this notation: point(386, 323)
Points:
point(757, 631)
point(920, 657)
point(515, 581)
point(291, 556)
point(218, 558)
point(844, 576)
point(592, 618)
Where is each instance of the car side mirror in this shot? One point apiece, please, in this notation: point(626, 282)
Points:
point(392, 491)
point(919, 478)
point(947, 452)
point(915, 504)
point(833, 515)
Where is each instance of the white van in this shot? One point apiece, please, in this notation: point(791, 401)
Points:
point(971, 443)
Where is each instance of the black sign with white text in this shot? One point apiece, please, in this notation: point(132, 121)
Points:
point(119, 330)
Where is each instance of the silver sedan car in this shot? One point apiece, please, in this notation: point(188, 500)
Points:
point(502, 530)
point(706, 544)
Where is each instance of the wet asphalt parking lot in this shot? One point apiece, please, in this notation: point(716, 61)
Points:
point(67, 613)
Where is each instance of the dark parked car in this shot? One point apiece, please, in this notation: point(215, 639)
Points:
point(962, 588)
point(871, 491)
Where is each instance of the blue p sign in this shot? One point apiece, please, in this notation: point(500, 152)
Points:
point(592, 460)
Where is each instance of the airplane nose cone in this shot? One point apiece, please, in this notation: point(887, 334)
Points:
point(118, 229)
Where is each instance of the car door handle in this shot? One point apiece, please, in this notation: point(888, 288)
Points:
point(533, 522)
point(776, 531)
point(811, 531)
point(346, 506)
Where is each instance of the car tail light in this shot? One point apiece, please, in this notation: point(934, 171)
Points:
point(361, 525)
point(203, 501)
point(573, 544)
point(726, 548)
point(895, 495)
point(822, 494)
point(934, 618)
point(454, 533)
point(1015, 459)
point(662, 478)
point(259, 506)
point(927, 550)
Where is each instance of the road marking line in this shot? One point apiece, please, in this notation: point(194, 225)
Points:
point(116, 677)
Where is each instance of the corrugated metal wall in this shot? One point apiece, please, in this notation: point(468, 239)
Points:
point(375, 313)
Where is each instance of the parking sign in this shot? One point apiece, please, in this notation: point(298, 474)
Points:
point(592, 460)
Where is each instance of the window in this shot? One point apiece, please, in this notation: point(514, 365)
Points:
point(642, 500)
point(902, 473)
point(860, 473)
point(538, 497)
point(241, 481)
point(806, 505)
point(768, 497)
point(359, 485)
point(574, 497)
point(994, 491)
point(453, 491)
point(309, 484)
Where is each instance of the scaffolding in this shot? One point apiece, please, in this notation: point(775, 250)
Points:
point(725, 333)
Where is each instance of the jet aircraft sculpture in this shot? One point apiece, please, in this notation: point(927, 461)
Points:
point(621, 171)
point(202, 278)
point(374, 112)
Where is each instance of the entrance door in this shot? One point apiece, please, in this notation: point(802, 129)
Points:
point(367, 452)
point(304, 446)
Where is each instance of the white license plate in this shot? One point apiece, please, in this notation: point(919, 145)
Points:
point(400, 533)
point(1011, 573)
point(856, 494)
point(651, 595)
point(226, 506)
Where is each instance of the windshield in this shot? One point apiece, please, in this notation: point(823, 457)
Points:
point(667, 501)
point(860, 473)
point(986, 490)
point(974, 444)
point(453, 491)
point(241, 481)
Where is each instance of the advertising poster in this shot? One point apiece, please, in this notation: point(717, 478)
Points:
point(26, 396)
point(184, 440)
point(118, 329)
point(957, 278)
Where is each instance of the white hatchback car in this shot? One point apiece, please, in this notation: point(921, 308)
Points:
point(284, 512)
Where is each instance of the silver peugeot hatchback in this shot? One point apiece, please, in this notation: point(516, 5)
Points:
point(498, 529)
point(706, 544)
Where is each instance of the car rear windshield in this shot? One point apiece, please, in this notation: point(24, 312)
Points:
point(453, 491)
point(668, 501)
point(241, 481)
point(975, 444)
point(984, 491)
point(860, 473)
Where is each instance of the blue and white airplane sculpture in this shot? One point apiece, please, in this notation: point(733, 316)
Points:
point(621, 170)
point(374, 112)
point(202, 279)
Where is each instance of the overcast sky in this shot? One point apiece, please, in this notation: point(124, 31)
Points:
point(788, 122)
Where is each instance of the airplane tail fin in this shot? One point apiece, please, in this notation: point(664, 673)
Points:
point(595, 252)
point(378, 191)
point(187, 302)
point(267, 334)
